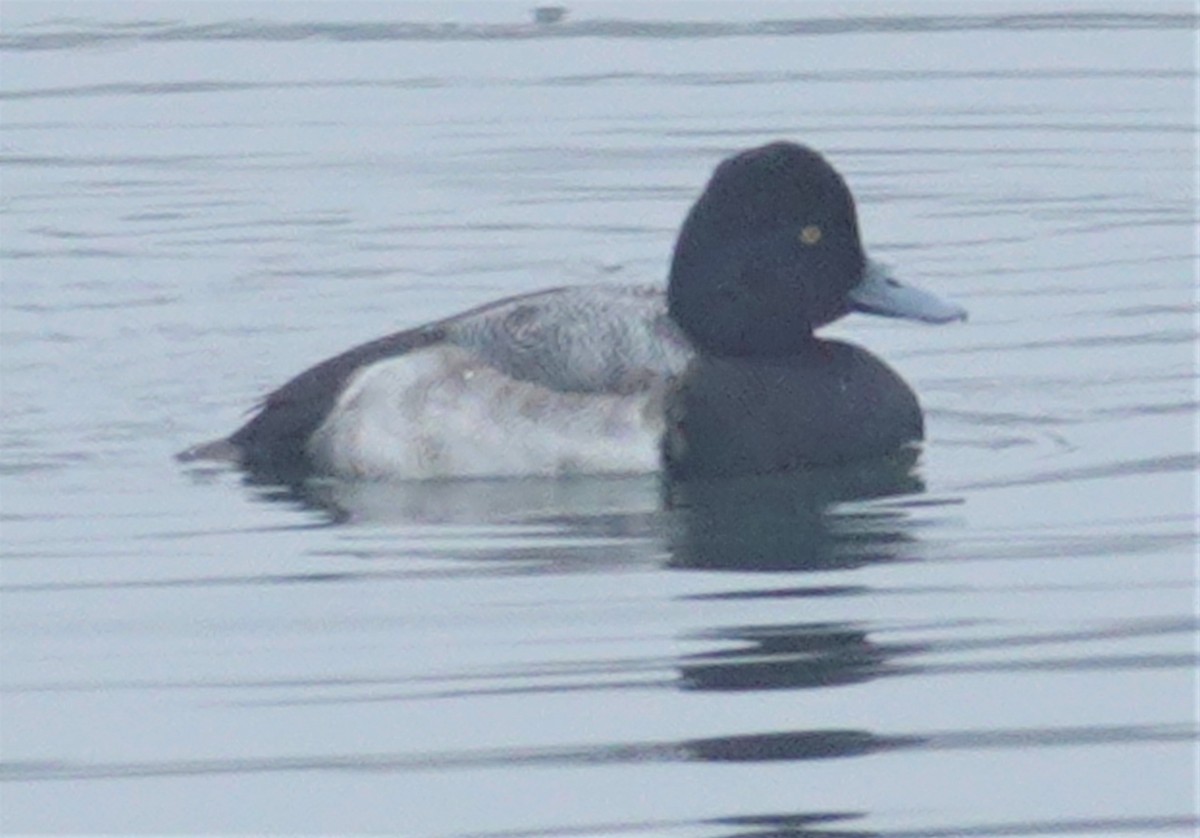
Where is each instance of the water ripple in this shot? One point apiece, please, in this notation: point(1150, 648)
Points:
point(85, 34)
point(789, 746)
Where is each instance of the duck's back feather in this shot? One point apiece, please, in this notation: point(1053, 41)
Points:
point(606, 341)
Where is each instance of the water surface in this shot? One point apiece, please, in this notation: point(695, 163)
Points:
point(200, 200)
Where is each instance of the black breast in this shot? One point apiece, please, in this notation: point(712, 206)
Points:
point(836, 403)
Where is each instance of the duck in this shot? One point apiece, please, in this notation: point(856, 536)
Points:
point(719, 374)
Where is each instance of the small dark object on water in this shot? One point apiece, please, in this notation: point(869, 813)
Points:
point(549, 14)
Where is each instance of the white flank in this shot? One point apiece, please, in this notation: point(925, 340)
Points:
point(440, 413)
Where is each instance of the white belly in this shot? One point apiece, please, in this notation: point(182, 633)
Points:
point(440, 413)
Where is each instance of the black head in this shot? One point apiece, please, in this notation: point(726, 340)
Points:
point(767, 254)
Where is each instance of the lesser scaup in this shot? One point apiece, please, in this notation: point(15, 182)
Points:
point(720, 375)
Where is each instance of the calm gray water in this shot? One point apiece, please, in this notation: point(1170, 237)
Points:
point(200, 200)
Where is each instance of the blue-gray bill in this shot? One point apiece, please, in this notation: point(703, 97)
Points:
point(879, 293)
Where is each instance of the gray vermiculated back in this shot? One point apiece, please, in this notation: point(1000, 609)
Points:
point(615, 339)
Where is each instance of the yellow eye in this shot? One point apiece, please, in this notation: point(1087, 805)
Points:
point(810, 234)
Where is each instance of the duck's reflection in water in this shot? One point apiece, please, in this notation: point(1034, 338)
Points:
point(791, 528)
point(784, 529)
point(803, 521)
point(791, 509)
